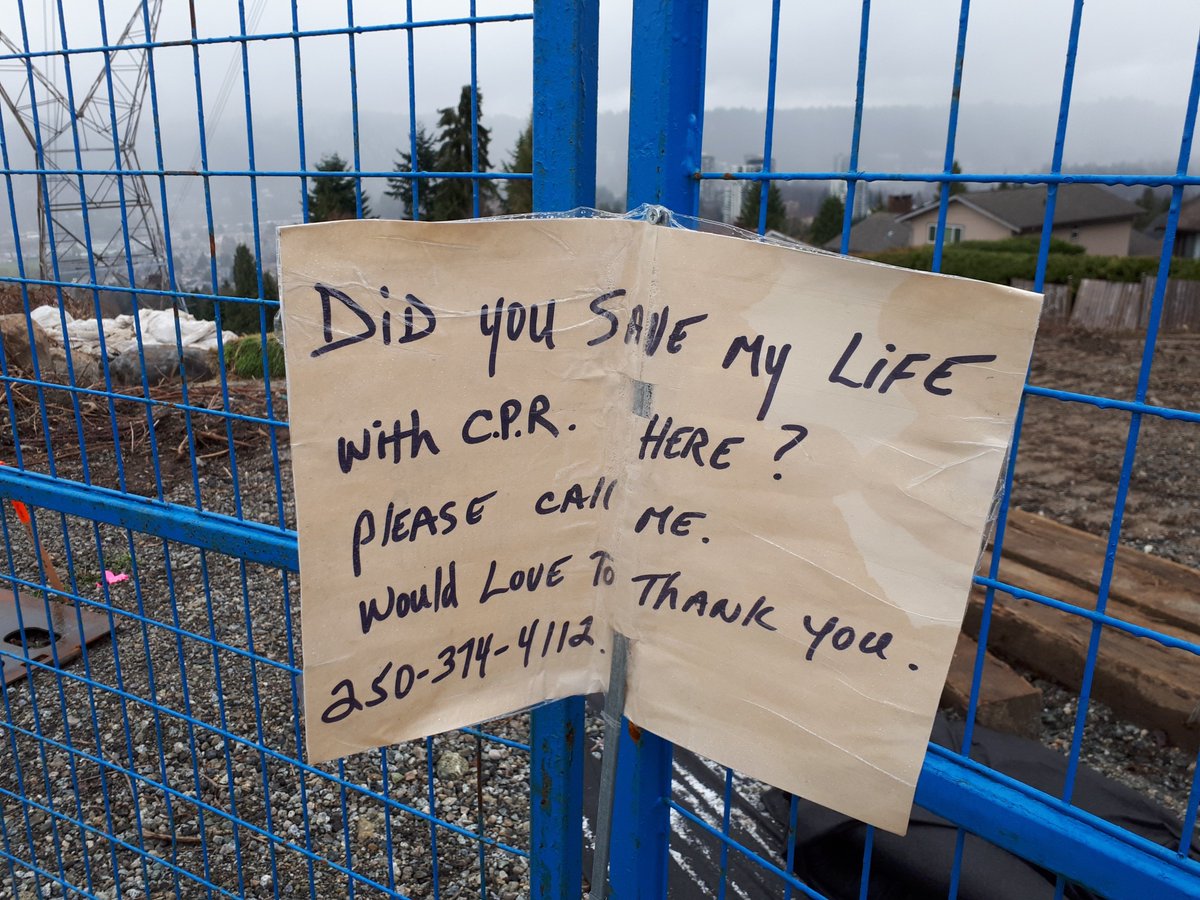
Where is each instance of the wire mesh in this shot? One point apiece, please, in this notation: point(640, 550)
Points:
point(709, 822)
point(166, 758)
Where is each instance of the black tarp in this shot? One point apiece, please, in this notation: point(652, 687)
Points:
point(829, 846)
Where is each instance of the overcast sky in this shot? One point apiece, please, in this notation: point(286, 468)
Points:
point(1140, 50)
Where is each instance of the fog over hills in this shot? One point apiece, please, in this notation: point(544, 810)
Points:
point(1118, 136)
point(1124, 136)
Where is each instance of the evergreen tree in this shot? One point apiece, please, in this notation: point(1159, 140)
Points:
point(245, 273)
point(454, 198)
point(242, 318)
point(518, 196)
point(245, 276)
point(776, 214)
point(402, 188)
point(1152, 206)
point(827, 223)
point(332, 198)
point(956, 187)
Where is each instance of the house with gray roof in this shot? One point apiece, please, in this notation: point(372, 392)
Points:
point(1187, 231)
point(1085, 214)
point(877, 232)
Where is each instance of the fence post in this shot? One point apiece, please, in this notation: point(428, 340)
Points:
point(666, 107)
point(565, 41)
point(666, 103)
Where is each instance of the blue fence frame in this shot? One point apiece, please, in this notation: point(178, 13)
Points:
point(204, 791)
point(665, 140)
point(140, 816)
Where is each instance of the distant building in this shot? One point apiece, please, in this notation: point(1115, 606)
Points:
point(736, 191)
point(721, 199)
point(1187, 232)
point(840, 189)
point(1084, 214)
point(712, 192)
point(877, 232)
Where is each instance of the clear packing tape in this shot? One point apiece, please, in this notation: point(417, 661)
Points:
point(647, 212)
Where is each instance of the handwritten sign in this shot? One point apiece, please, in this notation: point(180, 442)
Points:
point(771, 470)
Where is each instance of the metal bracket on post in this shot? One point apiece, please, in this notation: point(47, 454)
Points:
point(657, 215)
point(614, 712)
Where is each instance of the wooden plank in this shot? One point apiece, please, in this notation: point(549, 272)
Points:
point(1181, 304)
point(1007, 702)
point(1033, 579)
point(1108, 305)
point(1184, 309)
point(1057, 305)
point(1165, 593)
point(1140, 679)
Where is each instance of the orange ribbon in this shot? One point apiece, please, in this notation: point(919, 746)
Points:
point(21, 509)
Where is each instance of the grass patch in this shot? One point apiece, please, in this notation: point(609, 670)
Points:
point(244, 357)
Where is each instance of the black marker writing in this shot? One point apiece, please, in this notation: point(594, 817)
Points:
point(576, 498)
point(843, 637)
point(643, 329)
point(677, 524)
point(684, 442)
point(409, 523)
point(900, 370)
point(478, 427)
point(412, 331)
point(772, 361)
point(510, 321)
point(524, 578)
point(399, 437)
point(699, 601)
point(441, 593)
point(395, 681)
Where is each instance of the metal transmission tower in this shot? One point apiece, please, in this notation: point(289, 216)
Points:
point(102, 129)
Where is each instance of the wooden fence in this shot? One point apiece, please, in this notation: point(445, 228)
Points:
point(1120, 306)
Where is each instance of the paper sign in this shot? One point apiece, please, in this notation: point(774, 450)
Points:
point(770, 469)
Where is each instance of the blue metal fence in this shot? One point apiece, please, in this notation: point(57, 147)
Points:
point(168, 758)
point(666, 137)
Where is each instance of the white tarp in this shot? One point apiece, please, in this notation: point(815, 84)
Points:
point(157, 325)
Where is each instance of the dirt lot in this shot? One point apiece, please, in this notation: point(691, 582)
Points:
point(1068, 467)
point(1070, 454)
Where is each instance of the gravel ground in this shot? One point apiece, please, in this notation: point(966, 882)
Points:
point(1126, 753)
point(203, 638)
point(1068, 466)
point(221, 654)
